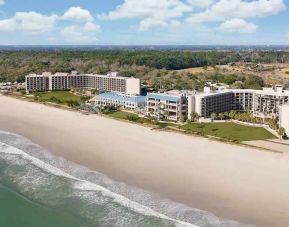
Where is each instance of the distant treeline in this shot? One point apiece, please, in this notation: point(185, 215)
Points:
point(14, 65)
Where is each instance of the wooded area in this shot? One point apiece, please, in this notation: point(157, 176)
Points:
point(149, 65)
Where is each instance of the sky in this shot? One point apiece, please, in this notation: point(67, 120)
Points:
point(144, 22)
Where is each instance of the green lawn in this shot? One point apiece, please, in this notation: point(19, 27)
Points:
point(120, 114)
point(59, 97)
point(129, 116)
point(141, 120)
point(229, 131)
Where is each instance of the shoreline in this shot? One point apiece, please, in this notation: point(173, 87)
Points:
point(231, 181)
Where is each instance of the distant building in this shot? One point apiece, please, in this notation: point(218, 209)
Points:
point(284, 118)
point(65, 81)
point(119, 100)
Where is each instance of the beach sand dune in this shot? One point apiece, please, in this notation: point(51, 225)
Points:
point(234, 182)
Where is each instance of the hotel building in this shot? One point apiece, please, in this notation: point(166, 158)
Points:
point(207, 103)
point(266, 102)
point(242, 100)
point(125, 92)
point(65, 81)
point(167, 106)
point(118, 100)
point(36, 82)
point(261, 103)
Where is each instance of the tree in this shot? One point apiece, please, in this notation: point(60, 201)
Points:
point(166, 115)
point(281, 132)
point(247, 116)
point(221, 115)
point(213, 116)
point(232, 114)
point(226, 115)
point(194, 116)
point(182, 118)
point(253, 82)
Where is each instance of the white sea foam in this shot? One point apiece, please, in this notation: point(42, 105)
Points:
point(88, 186)
point(87, 182)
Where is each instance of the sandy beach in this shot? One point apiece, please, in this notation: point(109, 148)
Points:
point(233, 182)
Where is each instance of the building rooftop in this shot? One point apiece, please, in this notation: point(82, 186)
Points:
point(212, 93)
point(165, 96)
point(74, 73)
point(265, 91)
point(122, 97)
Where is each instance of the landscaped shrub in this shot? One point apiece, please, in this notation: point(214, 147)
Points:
point(133, 118)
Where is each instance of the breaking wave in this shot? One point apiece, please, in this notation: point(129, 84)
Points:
point(55, 182)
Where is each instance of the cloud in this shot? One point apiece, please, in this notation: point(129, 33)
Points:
point(152, 13)
point(8, 25)
point(30, 22)
point(77, 14)
point(148, 23)
point(238, 25)
point(34, 23)
point(86, 32)
point(91, 27)
point(2, 2)
point(161, 13)
point(201, 3)
point(227, 9)
point(80, 34)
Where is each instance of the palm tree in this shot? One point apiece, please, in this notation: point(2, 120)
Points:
point(166, 115)
point(213, 116)
point(226, 115)
point(232, 114)
point(221, 115)
point(182, 118)
point(281, 132)
point(194, 116)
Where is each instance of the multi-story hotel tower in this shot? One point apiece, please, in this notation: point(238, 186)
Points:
point(65, 81)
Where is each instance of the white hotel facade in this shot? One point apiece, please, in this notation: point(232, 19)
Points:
point(266, 103)
point(261, 103)
point(167, 106)
point(284, 118)
point(66, 81)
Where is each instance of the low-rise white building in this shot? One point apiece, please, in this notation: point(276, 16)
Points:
point(172, 105)
point(120, 100)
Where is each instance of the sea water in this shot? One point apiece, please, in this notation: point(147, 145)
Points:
point(40, 189)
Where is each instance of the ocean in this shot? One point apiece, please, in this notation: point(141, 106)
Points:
point(40, 189)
